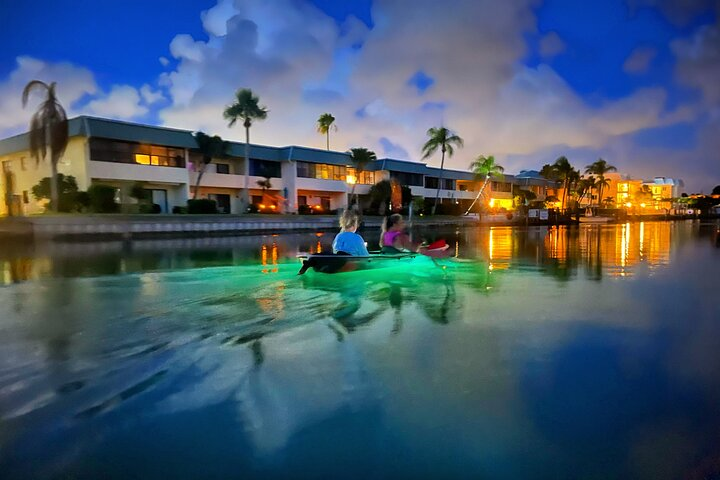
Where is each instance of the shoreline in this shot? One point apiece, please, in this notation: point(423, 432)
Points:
point(82, 228)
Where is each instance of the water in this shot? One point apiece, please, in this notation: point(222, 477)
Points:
point(589, 352)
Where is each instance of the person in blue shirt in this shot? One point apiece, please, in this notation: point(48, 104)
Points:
point(347, 241)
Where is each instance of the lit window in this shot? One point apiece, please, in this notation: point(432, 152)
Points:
point(142, 159)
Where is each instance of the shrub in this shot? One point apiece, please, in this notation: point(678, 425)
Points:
point(149, 208)
point(253, 208)
point(67, 192)
point(178, 210)
point(202, 206)
point(305, 210)
point(102, 199)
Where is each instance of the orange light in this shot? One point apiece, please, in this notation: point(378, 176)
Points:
point(262, 205)
point(272, 207)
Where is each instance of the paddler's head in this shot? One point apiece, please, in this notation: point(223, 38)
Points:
point(349, 221)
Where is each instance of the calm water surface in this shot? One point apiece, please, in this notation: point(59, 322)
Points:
point(589, 352)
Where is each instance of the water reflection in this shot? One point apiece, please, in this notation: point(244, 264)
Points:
point(483, 367)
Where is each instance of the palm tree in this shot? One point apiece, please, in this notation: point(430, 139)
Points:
point(209, 147)
point(265, 185)
point(324, 123)
point(565, 173)
point(600, 168)
point(585, 186)
point(484, 168)
point(360, 158)
point(246, 108)
point(48, 131)
point(445, 140)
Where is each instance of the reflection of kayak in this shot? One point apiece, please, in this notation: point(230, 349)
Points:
point(329, 263)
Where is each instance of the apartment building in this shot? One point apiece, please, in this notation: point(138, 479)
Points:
point(163, 160)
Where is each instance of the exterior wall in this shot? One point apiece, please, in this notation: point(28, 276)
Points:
point(27, 172)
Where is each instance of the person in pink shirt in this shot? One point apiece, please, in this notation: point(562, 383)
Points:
point(393, 237)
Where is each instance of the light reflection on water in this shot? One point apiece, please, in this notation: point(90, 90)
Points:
point(554, 353)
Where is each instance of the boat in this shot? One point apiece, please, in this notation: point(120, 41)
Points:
point(591, 218)
point(339, 263)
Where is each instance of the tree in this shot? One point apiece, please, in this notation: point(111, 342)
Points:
point(446, 141)
point(48, 131)
point(9, 180)
point(562, 172)
point(716, 190)
point(360, 158)
point(324, 123)
point(600, 168)
point(209, 148)
point(585, 186)
point(381, 193)
point(67, 192)
point(484, 168)
point(246, 108)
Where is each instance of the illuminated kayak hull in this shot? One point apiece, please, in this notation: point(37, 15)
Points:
point(329, 263)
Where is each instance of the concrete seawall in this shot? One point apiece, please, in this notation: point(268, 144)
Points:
point(90, 227)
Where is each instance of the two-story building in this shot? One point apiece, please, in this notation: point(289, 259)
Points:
point(164, 161)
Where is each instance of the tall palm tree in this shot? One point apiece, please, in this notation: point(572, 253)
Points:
point(600, 168)
point(209, 147)
point(324, 123)
point(445, 140)
point(484, 169)
point(360, 158)
point(48, 131)
point(246, 108)
point(565, 173)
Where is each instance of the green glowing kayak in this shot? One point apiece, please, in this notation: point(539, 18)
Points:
point(329, 263)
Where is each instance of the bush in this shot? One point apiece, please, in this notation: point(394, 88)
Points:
point(253, 208)
point(149, 208)
point(67, 192)
point(102, 199)
point(178, 210)
point(202, 206)
point(305, 210)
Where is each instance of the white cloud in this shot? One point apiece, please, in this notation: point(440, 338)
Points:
point(122, 102)
point(73, 83)
point(639, 60)
point(149, 95)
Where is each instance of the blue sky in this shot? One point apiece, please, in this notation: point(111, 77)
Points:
point(629, 80)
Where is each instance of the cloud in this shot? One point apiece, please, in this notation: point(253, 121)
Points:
point(639, 60)
point(551, 44)
point(679, 12)
point(149, 95)
point(698, 61)
point(122, 102)
point(73, 83)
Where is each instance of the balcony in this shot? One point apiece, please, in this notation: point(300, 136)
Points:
point(135, 172)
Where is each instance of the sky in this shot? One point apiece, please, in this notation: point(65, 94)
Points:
point(635, 82)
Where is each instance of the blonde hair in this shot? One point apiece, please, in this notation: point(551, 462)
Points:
point(348, 220)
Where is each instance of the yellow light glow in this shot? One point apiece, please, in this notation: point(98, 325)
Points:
point(262, 205)
point(642, 205)
point(492, 202)
point(628, 204)
point(142, 159)
point(272, 207)
point(351, 179)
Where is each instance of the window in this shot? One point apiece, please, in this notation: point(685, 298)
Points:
point(103, 150)
point(431, 182)
point(257, 199)
point(26, 197)
point(264, 168)
point(365, 178)
point(448, 184)
point(302, 200)
point(501, 187)
point(23, 167)
point(6, 166)
point(405, 178)
point(622, 187)
point(222, 168)
point(322, 171)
